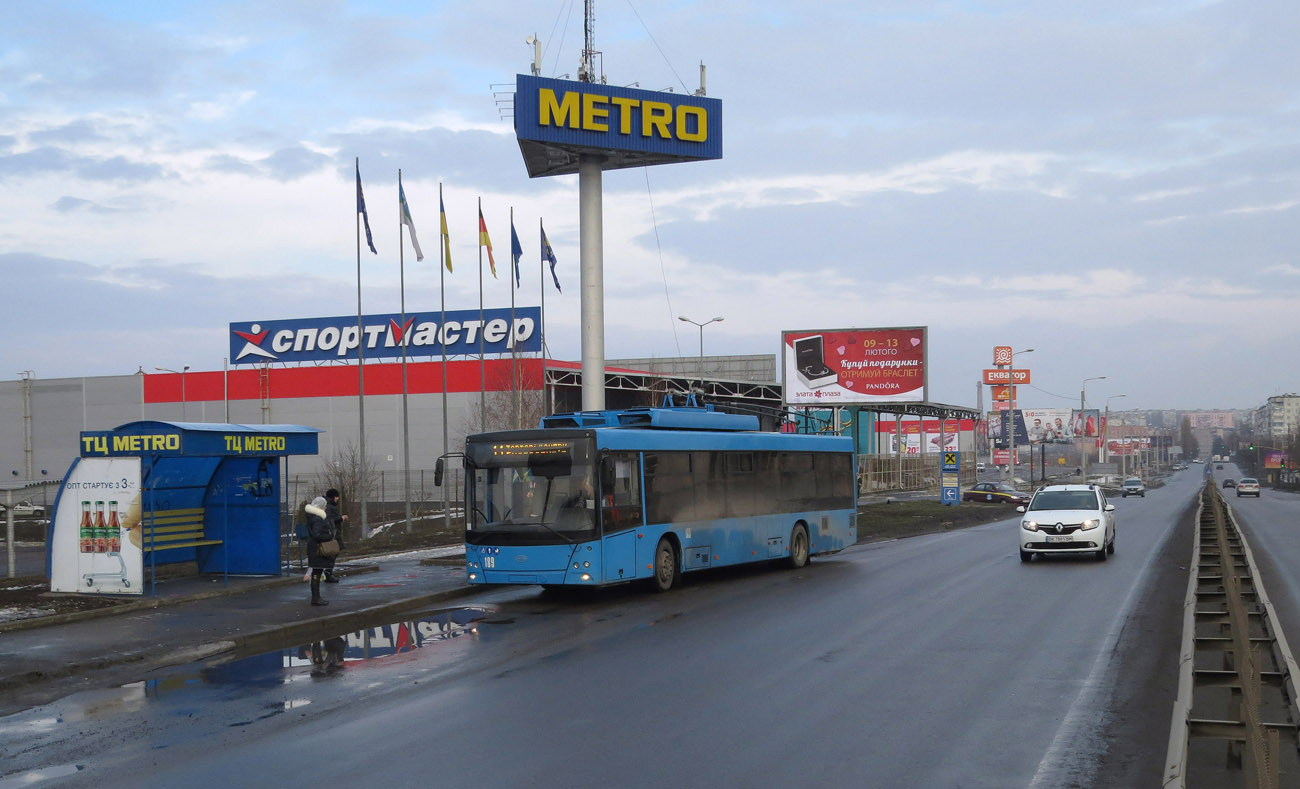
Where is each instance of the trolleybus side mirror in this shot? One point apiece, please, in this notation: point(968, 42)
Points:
point(437, 474)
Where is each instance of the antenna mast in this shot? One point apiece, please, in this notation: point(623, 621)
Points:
point(587, 63)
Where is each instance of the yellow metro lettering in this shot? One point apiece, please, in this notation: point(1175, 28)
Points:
point(625, 108)
point(591, 113)
point(683, 128)
point(656, 115)
point(553, 112)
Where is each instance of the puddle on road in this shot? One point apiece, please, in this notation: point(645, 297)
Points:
point(326, 656)
point(286, 665)
point(33, 777)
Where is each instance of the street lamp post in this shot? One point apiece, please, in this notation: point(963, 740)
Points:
point(1083, 411)
point(181, 373)
point(1011, 419)
point(701, 326)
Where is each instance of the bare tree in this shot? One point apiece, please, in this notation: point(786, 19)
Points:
point(508, 406)
point(348, 473)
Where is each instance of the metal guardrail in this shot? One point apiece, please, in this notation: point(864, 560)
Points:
point(1235, 718)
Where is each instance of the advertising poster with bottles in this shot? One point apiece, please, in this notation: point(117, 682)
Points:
point(96, 533)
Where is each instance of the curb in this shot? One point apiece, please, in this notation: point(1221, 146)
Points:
point(159, 602)
point(270, 638)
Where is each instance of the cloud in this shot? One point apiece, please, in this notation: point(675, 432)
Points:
point(295, 162)
point(47, 160)
point(221, 107)
point(77, 131)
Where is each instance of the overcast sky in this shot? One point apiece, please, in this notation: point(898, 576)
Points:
point(1114, 183)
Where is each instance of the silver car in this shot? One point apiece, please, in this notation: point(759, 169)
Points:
point(1134, 487)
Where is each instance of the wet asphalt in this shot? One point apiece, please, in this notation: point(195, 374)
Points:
point(196, 617)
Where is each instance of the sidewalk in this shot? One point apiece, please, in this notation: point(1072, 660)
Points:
point(195, 617)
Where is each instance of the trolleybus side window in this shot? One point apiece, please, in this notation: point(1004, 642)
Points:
point(741, 485)
point(670, 491)
point(620, 491)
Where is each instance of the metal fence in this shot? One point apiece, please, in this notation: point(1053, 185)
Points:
point(881, 473)
point(386, 489)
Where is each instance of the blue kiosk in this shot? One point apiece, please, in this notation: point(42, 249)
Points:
point(150, 493)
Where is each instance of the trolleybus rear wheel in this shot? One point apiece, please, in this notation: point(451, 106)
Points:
point(667, 569)
point(799, 546)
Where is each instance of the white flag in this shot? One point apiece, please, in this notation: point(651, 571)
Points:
point(406, 220)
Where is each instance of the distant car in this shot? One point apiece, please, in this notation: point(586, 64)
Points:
point(1248, 486)
point(979, 467)
point(26, 508)
point(1197, 460)
point(1229, 483)
point(1219, 467)
point(1134, 487)
point(1067, 519)
point(995, 492)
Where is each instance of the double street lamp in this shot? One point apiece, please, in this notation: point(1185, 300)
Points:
point(701, 325)
point(181, 373)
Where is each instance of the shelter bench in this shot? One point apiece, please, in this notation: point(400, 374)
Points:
point(175, 529)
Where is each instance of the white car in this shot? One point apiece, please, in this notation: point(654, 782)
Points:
point(1067, 519)
point(1247, 486)
point(1134, 487)
point(26, 508)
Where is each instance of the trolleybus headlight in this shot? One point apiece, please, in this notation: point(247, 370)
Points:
point(473, 576)
point(575, 565)
point(585, 577)
point(1029, 525)
point(586, 564)
point(1089, 524)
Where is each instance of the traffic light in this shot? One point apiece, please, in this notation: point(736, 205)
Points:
point(1252, 446)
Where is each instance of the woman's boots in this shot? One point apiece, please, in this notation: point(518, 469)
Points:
point(316, 599)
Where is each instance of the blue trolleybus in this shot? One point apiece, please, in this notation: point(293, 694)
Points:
point(605, 497)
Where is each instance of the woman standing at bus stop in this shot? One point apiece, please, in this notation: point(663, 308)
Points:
point(319, 532)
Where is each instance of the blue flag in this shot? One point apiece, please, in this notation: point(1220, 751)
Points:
point(361, 209)
point(516, 251)
point(549, 254)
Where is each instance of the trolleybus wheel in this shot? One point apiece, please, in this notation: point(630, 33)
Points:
point(799, 546)
point(667, 569)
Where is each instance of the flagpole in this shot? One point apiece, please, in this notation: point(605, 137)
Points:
point(514, 353)
point(482, 371)
point(361, 379)
point(406, 425)
point(443, 253)
point(541, 281)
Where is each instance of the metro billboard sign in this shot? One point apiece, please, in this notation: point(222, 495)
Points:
point(995, 377)
point(558, 121)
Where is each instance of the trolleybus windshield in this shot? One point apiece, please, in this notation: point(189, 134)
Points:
point(530, 491)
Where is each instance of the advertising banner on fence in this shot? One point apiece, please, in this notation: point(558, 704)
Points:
point(854, 366)
point(495, 331)
point(97, 529)
point(922, 436)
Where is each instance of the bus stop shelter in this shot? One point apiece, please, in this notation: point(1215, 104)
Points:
point(152, 493)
